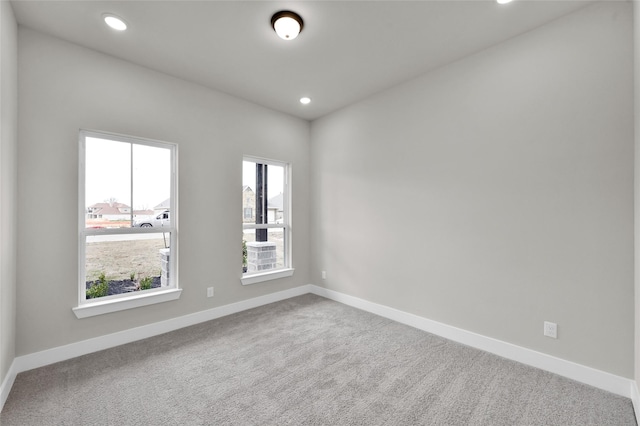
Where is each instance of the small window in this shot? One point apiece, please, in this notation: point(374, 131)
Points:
point(266, 237)
point(126, 247)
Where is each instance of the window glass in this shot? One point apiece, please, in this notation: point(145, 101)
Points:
point(107, 183)
point(128, 263)
point(267, 256)
point(265, 216)
point(128, 235)
point(151, 177)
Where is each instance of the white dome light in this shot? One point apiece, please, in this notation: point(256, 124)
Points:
point(305, 100)
point(504, 1)
point(114, 22)
point(287, 24)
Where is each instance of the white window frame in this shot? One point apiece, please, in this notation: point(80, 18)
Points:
point(114, 303)
point(287, 270)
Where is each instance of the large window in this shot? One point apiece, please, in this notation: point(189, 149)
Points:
point(127, 219)
point(266, 220)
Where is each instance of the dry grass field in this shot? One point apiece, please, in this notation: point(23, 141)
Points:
point(119, 259)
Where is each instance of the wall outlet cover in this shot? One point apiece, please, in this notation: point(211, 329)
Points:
point(551, 329)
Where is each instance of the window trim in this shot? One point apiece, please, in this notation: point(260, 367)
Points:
point(87, 308)
point(266, 276)
point(287, 270)
point(100, 307)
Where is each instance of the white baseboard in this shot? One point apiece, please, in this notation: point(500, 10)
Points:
point(61, 353)
point(7, 383)
point(591, 376)
point(635, 399)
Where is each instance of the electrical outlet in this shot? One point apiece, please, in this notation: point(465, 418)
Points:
point(210, 292)
point(324, 275)
point(551, 329)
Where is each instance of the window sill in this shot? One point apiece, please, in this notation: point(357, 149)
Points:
point(114, 305)
point(266, 276)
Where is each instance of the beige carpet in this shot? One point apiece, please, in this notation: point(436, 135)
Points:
point(303, 361)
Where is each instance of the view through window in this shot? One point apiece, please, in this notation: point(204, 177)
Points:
point(265, 216)
point(127, 231)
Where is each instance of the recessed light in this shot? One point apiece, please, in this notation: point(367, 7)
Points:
point(504, 1)
point(114, 22)
point(305, 100)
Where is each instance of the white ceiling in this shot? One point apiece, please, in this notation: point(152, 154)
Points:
point(347, 50)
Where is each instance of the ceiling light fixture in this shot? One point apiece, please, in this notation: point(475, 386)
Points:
point(305, 100)
point(287, 24)
point(503, 1)
point(114, 22)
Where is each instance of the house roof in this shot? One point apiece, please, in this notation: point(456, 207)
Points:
point(276, 202)
point(116, 209)
point(163, 205)
point(108, 209)
point(104, 205)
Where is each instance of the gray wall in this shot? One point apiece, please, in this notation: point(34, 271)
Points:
point(8, 184)
point(64, 87)
point(636, 38)
point(494, 193)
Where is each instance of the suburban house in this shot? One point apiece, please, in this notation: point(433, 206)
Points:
point(109, 211)
point(248, 205)
point(114, 211)
point(274, 206)
point(468, 168)
point(275, 209)
point(163, 206)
